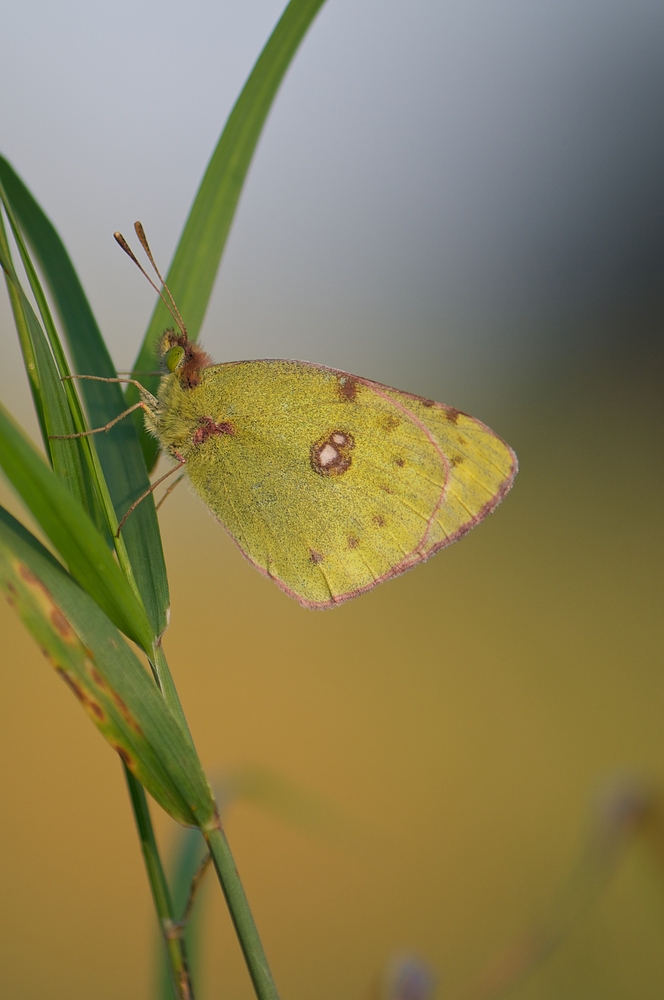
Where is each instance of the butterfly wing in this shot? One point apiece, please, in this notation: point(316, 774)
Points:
point(330, 483)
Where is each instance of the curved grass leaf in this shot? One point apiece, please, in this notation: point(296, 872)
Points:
point(75, 462)
point(193, 270)
point(71, 531)
point(23, 332)
point(91, 656)
point(56, 416)
point(119, 450)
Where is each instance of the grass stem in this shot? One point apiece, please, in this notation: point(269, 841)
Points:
point(170, 931)
point(243, 921)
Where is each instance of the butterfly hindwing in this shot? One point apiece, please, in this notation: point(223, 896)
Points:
point(330, 483)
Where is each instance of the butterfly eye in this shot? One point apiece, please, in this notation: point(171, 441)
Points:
point(174, 357)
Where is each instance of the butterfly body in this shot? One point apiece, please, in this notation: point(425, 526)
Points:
point(329, 483)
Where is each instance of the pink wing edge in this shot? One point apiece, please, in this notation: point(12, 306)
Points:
point(418, 555)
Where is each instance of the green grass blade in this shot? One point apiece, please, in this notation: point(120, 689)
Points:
point(65, 456)
point(119, 450)
point(90, 655)
point(24, 339)
point(62, 407)
point(193, 270)
point(71, 531)
point(76, 462)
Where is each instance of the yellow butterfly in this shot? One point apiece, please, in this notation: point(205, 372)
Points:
point(328, 483)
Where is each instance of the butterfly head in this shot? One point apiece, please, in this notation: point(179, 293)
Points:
point(182, 357)
point(175, 351)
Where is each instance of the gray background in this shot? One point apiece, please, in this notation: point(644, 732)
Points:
point(459, 198)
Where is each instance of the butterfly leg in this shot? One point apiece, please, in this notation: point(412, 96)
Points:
point(106, 427)
point(146, 494)
point(169, 491)
point(125, 381)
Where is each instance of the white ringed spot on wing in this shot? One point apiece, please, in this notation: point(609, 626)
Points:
point(331, 454)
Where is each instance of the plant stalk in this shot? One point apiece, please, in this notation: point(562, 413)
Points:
point(243, 921)
point(166, 685)
point(170, 930)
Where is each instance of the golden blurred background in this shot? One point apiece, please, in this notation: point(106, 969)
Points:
point(460, 720)
point(497, 245)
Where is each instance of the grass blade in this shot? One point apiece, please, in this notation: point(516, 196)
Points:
point(56, 416)
point(23, 331)
point(106, 677)
point(71, 531)
point(119, 450)
point(192, 273)
point(74, 461)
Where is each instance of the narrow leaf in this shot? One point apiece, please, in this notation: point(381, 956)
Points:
point(58, 399)
point(25, 342)
point(71, 531)
point(119, 450)
point(90, 655)
point(66, 456)
point(194, 268)
point(56, 415)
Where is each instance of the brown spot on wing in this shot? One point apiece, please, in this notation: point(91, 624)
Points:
point(451, 414)
point(400, 462)
point(456, 460)
point(209, 428)
point(315, 557)
point(428, 403)
point(391, 422)
point(379, 520)
point(347, 388)
point(353, 542)
point(330, 455)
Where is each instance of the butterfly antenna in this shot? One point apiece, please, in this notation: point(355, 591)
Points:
point(121, 241)
point(140, 232)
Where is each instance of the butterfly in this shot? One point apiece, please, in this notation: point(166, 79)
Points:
point(329, 483)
